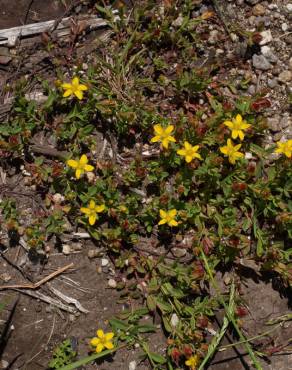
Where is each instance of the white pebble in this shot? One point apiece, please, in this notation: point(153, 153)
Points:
point(132, 365)
point(66, 249)
point(104, 262)
point(284, 27)
point(174, 320)
point(112, 283)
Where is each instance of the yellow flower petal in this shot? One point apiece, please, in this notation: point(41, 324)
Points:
point(75, 81)
point(165, 143)
point(181, 152)
point(237, 147)
point(187, 145)
point(83, 160)
point(86, 211)
point(108, 345)
point(172, 213)
point(94, 342)
point(168, 129)
point(224, 149)
point(162, 213)
point(162, 222)
point(88, 168)
point(171, 138)
point(82, 87)
point(158, 130)
point(100, 208)
point(99, 348)
point(67, 93)
point(155, 139)
point(228, 124)
point(238, 118)
point(92, 219)
point(66, 86)
point(72, 163)
point(100, 333)
point(78, 173)
point(189, 158)
point(78, 94)
point(197, 155)
point(241, 135)
point(234, 134)
point(92, 204)
point(109, 336)
point(173, 223)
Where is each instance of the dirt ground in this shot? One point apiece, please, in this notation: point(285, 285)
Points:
point(37, 327)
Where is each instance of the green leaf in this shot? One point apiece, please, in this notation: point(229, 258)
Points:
point(157, 358)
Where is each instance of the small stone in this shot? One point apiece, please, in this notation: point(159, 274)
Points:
point(252, 2)
point(290, 63)
point(258, 9)
point(285, 76)
point(112, 283)
point(268, 54)
point(4, 60)
point(289, 7)
point(93, 253)
point(66, 249)
point(5, 277)
point(272, 83)
point(284, 27)
point(251, 90)
point(213, 37)
point(179, 252)
point(174, 320)
point(4, 364)
point(104, 262)
point(274, 124)
point(178, 21)
point(286, 121)
point(260, 62)
point(266, 37)
point(132, 365)
point(90, 177)
point(58, 198)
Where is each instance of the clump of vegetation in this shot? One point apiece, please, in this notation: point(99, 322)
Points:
point(185, 171)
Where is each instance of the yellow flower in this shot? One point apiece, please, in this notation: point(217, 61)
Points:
point(92, 210)
point(237, 127)
point(163, 134)
point(103, 340)
point(189, 152)
point(192, 362)
point(285, 148)
point(74, 88)
point(168, 217)
point(80, 165)
point(232, 151)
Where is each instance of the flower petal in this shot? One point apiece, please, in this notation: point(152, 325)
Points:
point(162, 222)
point(78, 94)
point(85, 210)
point(78, 173)
point(83, 160)
point(75, 81)
point(66, 86)
point(228, 124)
point(238, 118)
point(172, 213)
point(172, 223)
point(99, 347)
point(88, 168)
point(155, 139)
point(224, 150)
point(108, 345)
point(162, 213)
point(187, 145)
point(72, 163)
point(165, 143)
point(82, 87)
point(92, 204)
point(189, 158)
point(100, 208)
point(171, 138)
point(109, 336)
point(181, 152)
point(234, 134)
point(197, 155)
point(168, 129)
point(67, 93)
point(94, 341)
point(158, 129)
point(100, 333)
point(92, 219)
point(241, 135)
point(237, 147)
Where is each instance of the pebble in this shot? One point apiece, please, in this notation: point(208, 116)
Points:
point(258, 9)
point(58, 198)
point(132, 365)
point(266, 37)
point(66, 249)
point(112, 283)
point(5, 277)
point(289, 7)
point(213, 37)
point(272, 82)
point(104, 262)
point(285, 76)
point(284, 27)
point(268, 54)
point(260, 62)
point(251, 90)
point(4, 364)
point(290, 63)
point(274, 123)
point(252, 2)
point(179, 252)
point(93, 253)
point(286, 121)
point(174, 320)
